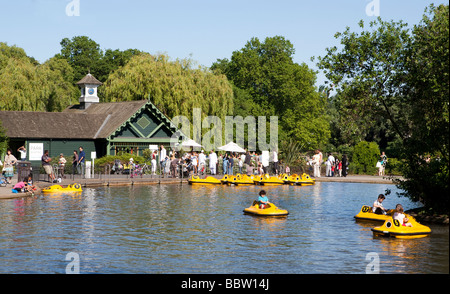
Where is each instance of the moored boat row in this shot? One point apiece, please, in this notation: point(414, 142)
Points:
point(264, 180)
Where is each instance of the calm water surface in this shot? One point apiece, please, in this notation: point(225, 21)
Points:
point(201, 229)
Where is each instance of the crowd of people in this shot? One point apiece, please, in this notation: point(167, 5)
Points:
point(197, 163)
point(172, 164)
point(334, 166)
point(228, 163)
point(78, 164)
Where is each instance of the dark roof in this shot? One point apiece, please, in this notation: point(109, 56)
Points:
point(89, 79)
point(99, 120)
point(115, 114)
point(55, 125)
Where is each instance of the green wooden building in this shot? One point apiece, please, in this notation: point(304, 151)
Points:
point(103, 128)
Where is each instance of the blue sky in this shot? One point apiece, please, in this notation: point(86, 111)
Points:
point(203, 29)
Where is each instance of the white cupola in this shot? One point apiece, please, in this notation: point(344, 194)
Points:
point(88, 86)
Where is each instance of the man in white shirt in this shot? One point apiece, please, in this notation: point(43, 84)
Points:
point(329, 164)
point(201, 161)
point(23, 153)
point(212, 162)
point(162, 157)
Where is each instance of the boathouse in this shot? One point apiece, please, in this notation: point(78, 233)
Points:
point(103, 128)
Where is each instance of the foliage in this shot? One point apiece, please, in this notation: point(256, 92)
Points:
point(269, 80)
point(85, 55)
point(29, 86)
point(364, 158)
point(173, 86)
point(100, 163)
point(290, 151)
point(427, 95)
point(398, 79)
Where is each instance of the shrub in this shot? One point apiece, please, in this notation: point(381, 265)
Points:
point(365, 157)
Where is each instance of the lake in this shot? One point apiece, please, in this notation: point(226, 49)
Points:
point(183, 229)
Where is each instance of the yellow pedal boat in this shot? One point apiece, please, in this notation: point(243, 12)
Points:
point(257, 179)
point(59, 189)
point(268, 180)
point(293, 180)
point(393, 228)
point(225, 179)
point(240, 180)
point(196, 180)
point(306, 180)
point(270, 210)
point(366, 213)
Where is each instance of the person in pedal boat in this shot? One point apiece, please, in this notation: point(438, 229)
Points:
point(378, 205)
point(398, 215)
point(262, 199)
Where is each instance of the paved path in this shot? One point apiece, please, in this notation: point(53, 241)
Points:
point(122, 180)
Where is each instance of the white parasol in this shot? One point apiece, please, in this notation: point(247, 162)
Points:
point(232, 147)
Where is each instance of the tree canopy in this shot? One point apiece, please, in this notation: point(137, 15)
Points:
point(398, 77)
point(267, 82)
point(85, 55)
point(173, 86)
point(30, 86)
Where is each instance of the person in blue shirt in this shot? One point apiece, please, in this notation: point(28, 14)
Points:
point(225, 164)
point(81, 160)
point(262, 199)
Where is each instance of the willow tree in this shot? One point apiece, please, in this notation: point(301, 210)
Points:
point(173, 86)
point(27, 85)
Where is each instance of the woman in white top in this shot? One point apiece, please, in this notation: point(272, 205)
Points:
point(316, 164)
point(8, 166)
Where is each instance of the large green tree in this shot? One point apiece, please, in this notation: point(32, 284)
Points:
point(85, 55)
point(269, 83)
point(400, 77)
point(426, 148)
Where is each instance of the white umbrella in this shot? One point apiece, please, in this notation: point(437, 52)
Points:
point(190, 143)
point(232, 147)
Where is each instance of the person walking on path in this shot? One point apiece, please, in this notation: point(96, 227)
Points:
point(81, 161)
point(74, 162)
point(383, 163)
point(344, 165)
point(45, 160)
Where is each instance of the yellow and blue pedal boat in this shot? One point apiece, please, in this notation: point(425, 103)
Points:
point(270, 210)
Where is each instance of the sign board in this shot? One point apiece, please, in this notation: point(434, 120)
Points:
point(153, 147)
point(35, 151)
point(93, 155)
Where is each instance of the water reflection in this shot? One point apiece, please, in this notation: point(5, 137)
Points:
point(202, 229)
